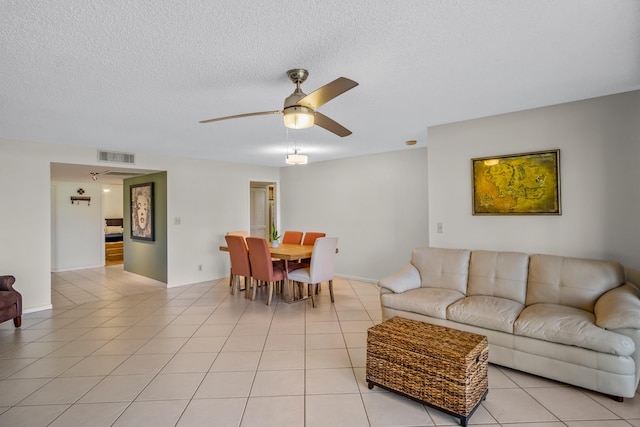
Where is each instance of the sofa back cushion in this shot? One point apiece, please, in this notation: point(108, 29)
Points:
point(442, 268)
point(573, 282)
point(499, 274)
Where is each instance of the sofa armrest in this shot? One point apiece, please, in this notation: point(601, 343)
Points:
point(619, 308)
point(6, 283)
point(404, 280)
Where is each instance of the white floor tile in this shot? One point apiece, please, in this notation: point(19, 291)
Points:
point(213, 412)
point(279, 383)
point(16, 390)
point(284, 342)
point(90, 414)
point(281, 360)
point(153, 413)
point(61, 391)
point(513, 406)
point(189, 362)
point(325, 341)
point(387, 409)
point(331, 381)
point(570, 404)
point(142, 364)
point(225, 384)
point(237, 361)
point(274, 411)
point(336, 410)
point(31, 416)
point(117, 388)
point(329, 358)
point(172, 386)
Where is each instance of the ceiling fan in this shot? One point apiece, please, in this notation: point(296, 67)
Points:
point(300, 109)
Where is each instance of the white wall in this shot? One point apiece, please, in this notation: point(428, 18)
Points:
point(112, 201)
point(77, 233)
point(25, 222)
point(599, 142)
point(376, 205)
point(210, 197)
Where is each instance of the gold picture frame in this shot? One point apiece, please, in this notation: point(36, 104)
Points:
point(517, 184)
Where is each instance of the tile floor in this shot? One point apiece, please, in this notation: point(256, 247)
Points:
point(121, 350)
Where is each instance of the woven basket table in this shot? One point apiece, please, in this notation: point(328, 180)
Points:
point(438, 366)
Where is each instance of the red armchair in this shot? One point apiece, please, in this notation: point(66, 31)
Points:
point(10, 301)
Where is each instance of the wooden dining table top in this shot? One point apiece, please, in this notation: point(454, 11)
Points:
point(286, 251)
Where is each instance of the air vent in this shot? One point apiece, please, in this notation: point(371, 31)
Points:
point(113, 157)
point(115, 173)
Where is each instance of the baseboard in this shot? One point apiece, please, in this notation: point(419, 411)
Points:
point(36, 309)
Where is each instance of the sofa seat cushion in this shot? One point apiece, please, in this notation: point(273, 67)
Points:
point(498, 314)
point(572, 326)
point(426, 301)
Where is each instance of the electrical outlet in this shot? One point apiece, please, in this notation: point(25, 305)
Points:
point(177, 220)
point(199, 267)
point(440, 227)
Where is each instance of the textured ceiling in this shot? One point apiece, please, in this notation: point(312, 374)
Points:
point(137, 76)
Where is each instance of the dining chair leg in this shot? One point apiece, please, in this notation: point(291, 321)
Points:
point(269, 292)
point(254, 290)
point(311, 290)
point(331, 289)
point(233, 284)
point(248, 281)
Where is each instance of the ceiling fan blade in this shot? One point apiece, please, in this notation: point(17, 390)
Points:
point(262, 113)
point(330, 125)
point(327, 92)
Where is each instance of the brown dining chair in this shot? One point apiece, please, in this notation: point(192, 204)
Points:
point(262, 267)
point(310, 237)
point(321, 268)
point(242, 233)
point(240, 265)
point(292, 237)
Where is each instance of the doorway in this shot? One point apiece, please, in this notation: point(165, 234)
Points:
point(262, 207)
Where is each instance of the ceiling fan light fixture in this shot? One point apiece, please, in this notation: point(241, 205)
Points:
point(298, 117)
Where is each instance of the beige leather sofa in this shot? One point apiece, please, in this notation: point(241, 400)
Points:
point(572, 320)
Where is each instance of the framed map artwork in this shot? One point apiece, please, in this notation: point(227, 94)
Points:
point(517, 184)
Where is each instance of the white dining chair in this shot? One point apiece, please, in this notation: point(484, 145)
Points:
point(321, 268)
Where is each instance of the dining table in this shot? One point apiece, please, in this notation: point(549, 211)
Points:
point(286, 252)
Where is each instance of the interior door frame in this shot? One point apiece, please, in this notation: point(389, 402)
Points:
point(271, 204)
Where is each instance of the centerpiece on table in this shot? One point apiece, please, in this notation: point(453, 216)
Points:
point(274, 236)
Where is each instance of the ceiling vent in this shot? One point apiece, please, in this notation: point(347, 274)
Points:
point(116, 173)
point(113, 157)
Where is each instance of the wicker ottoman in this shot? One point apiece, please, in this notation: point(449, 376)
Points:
point(438, 366)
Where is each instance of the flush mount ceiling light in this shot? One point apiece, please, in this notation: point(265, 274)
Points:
point(296, 159)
